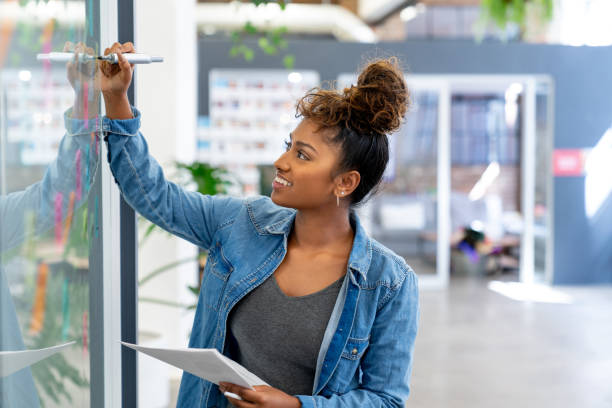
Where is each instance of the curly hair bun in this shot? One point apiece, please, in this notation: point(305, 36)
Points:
point(376, 105)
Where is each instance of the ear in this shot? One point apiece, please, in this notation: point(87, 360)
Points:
point(346, 183)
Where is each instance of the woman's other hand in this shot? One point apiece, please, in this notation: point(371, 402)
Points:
point(263, 397)
point(115, 81)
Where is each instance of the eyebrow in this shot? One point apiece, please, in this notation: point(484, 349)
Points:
point(302, 143)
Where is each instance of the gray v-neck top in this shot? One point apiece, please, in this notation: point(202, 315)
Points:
point(278, 337)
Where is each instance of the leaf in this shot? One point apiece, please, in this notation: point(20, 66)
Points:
point(279, 31)
point(289, 61)
point(249, 28)
point(165, 268)
point(249, 54)
point(267, 48)
point(263, 42)
point(149, 230)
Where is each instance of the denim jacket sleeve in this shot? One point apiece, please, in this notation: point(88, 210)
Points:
point(387, 364)
point(189, 215)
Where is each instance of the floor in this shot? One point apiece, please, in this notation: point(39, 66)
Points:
point(479, 349)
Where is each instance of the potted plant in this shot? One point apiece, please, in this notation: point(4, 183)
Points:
point(209, 180)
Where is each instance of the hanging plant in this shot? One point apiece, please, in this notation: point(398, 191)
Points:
point(504, 12)
point(271, 42)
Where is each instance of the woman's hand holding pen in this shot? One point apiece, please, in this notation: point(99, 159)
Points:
point(263, 397)
point(115, 81)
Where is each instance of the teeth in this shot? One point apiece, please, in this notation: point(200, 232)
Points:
point(282, 181)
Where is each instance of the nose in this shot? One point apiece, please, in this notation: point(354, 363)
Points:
point(281, 163)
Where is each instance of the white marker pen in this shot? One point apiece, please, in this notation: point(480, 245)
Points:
point(112, 58)
point(232, 395)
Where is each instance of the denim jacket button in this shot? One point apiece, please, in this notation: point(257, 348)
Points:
point(355, 351)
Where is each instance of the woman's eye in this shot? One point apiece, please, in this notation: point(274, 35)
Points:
point(301, 156)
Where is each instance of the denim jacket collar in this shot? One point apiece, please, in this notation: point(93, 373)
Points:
point(361, 253)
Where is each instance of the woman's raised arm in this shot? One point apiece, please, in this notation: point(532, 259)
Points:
point(190, 215)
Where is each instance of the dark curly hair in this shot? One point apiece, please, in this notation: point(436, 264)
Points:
point(363, 115)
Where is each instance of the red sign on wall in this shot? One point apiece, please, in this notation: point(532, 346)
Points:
point(568, 162)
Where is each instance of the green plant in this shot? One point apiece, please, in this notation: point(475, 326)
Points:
point(209, 180)
point(271, 42)
point(503, 12)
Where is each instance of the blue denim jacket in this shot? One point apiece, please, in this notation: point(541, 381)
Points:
point(365, 358)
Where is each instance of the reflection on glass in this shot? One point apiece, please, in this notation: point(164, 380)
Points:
point(485, 182)
point(49, 156)
point(543, 153)
point(403, 215)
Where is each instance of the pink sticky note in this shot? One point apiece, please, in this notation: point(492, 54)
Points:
point(77, 165)
point(59, 200)
point(86, 103)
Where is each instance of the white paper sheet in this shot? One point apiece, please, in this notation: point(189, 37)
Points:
point(13, 361)
point(208, 364)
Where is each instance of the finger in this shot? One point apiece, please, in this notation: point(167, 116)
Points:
point(240, 404)
point(250, 395)
point(236, 402)
point(79, 48)
point(89, 51)
point(244, 393)
point(68, 46)
point(106, 51)
point(128, 47)
point(116, 47)
point(123, 62)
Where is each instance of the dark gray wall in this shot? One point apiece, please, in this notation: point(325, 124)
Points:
point(583, 112)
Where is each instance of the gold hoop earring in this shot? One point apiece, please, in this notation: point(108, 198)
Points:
point(338, 201)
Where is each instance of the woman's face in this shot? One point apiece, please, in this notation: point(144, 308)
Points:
point(305, 172)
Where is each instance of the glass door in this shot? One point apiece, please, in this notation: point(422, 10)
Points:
point(486, 178)
point(501, 139)
point(54, 344)
point(409, 214)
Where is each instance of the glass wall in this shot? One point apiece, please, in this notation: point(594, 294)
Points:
point(403, 215)
point(485, 200)
point(50, 204)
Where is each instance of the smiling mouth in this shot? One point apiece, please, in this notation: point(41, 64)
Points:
point(282, 181)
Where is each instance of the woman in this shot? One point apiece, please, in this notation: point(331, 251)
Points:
point(293, 289)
